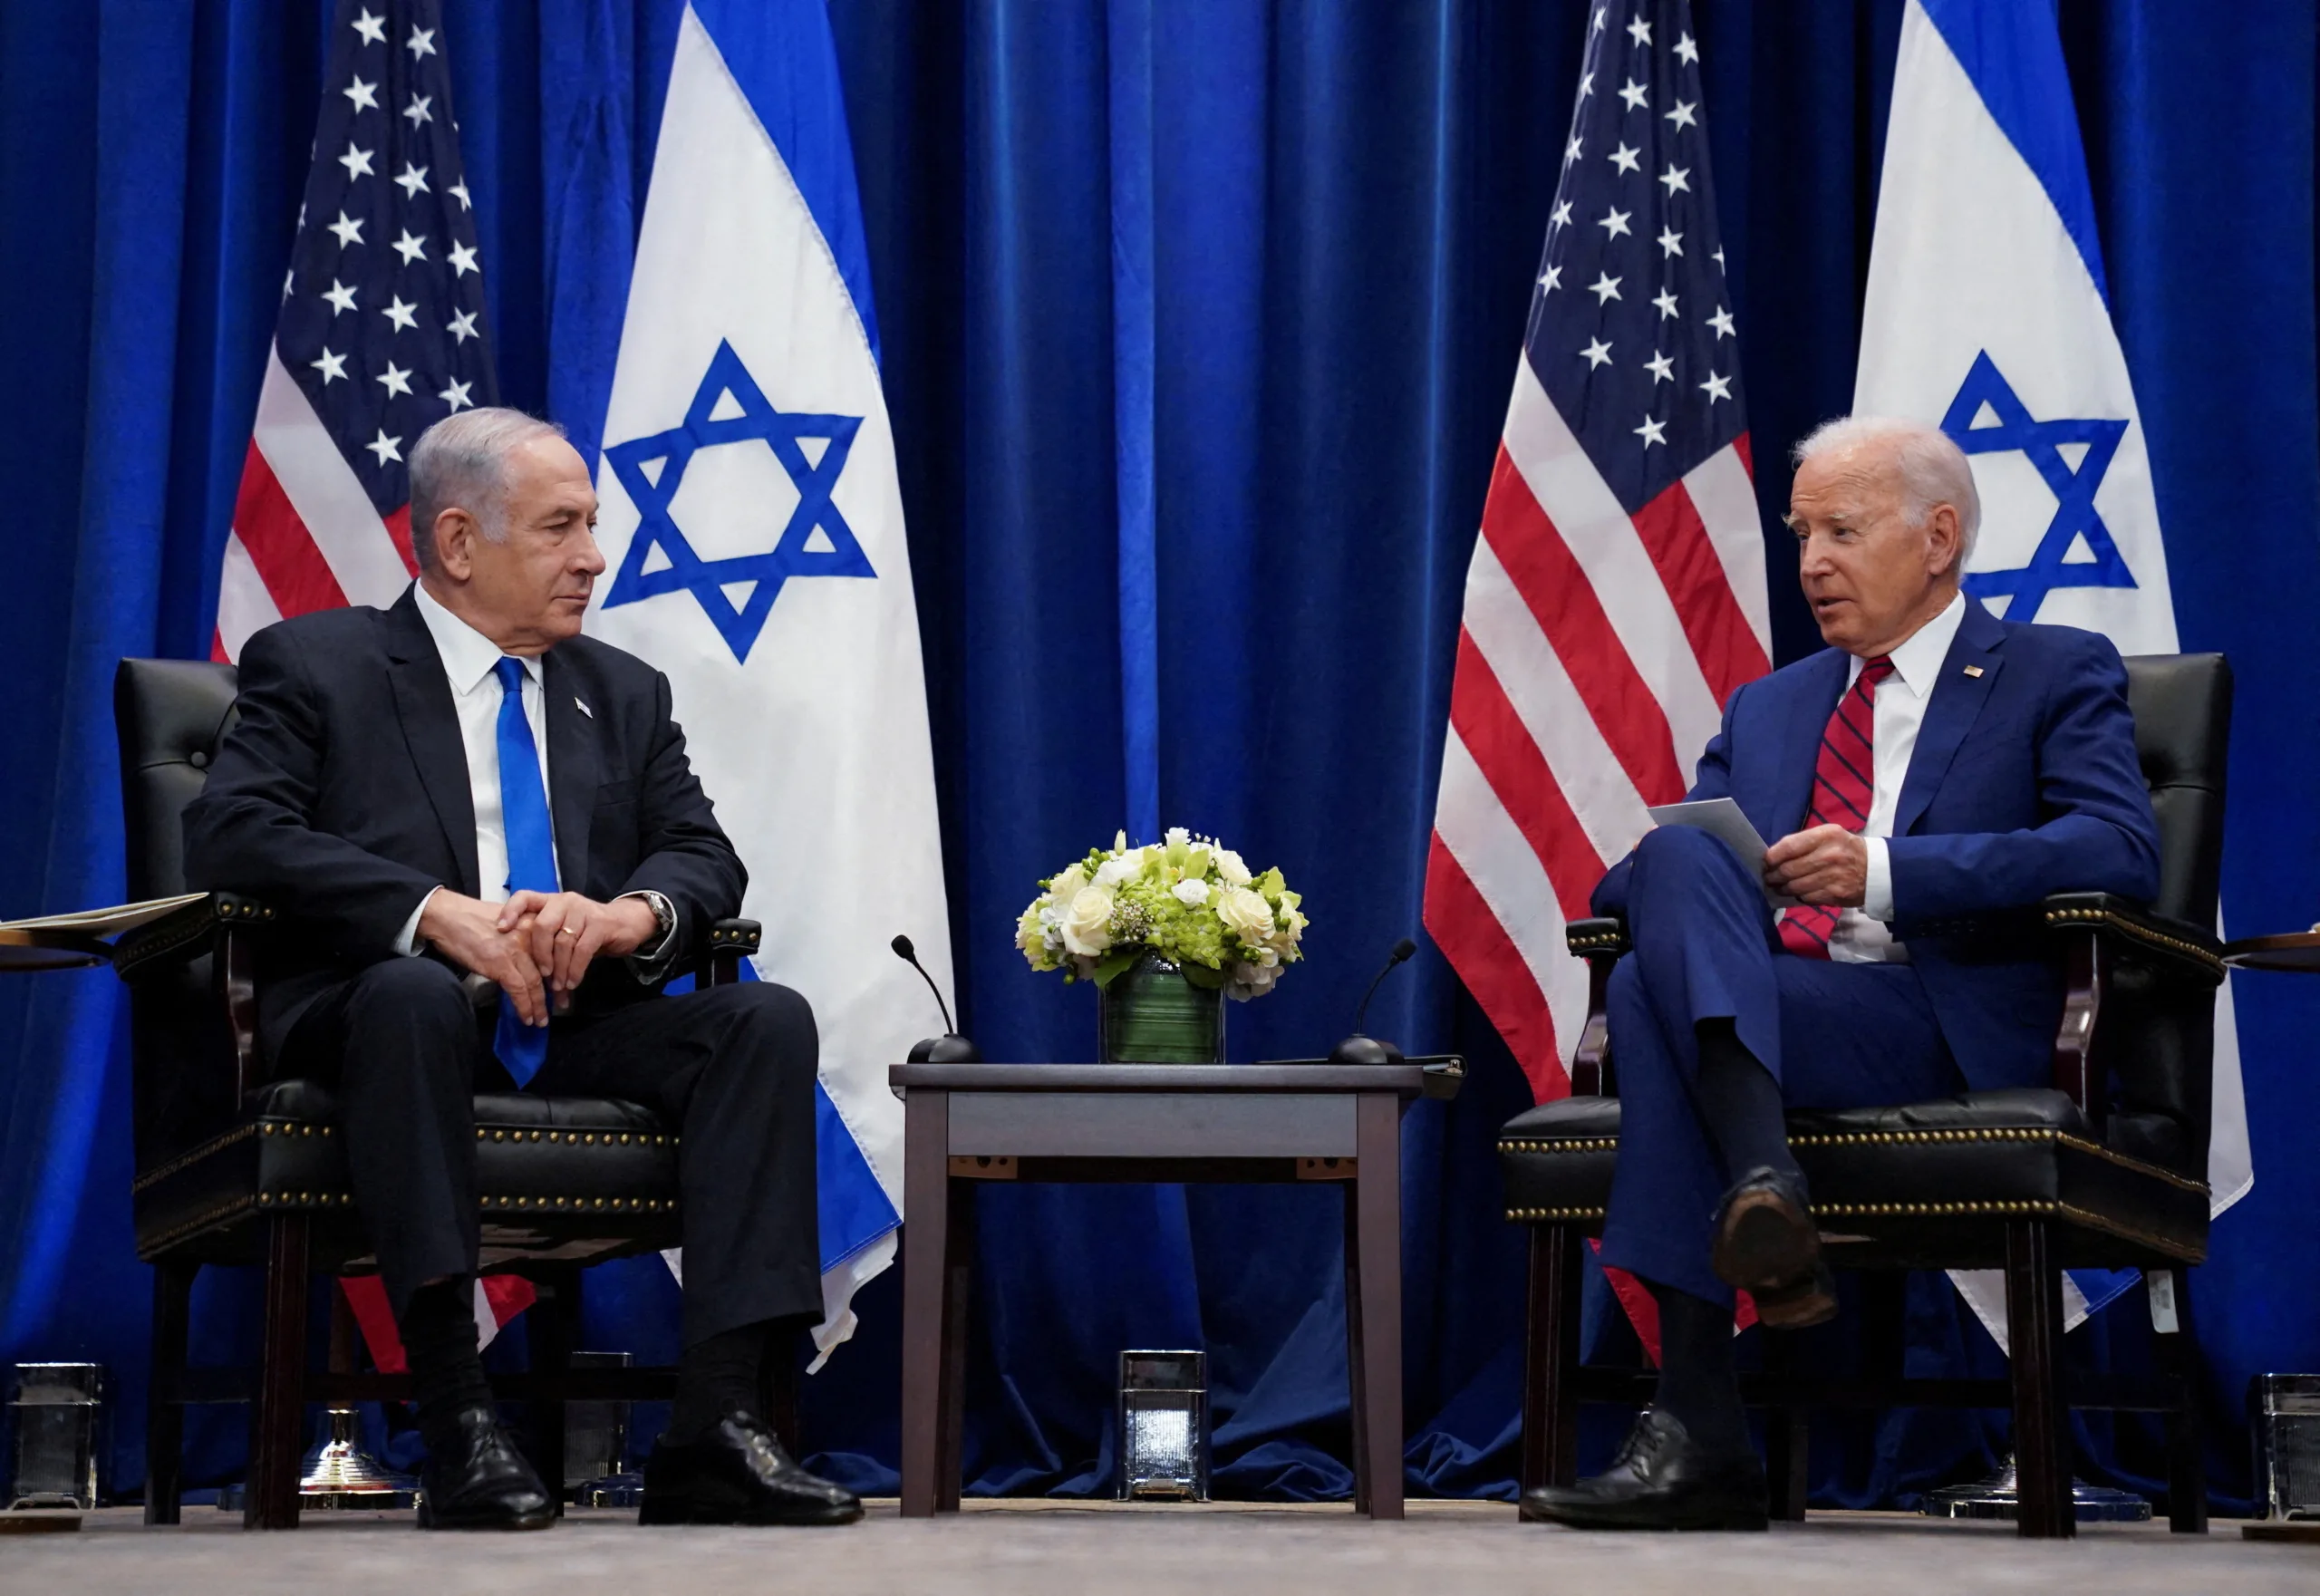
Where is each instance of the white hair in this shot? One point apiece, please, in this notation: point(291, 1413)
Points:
point(1932, 468)
point(461, 463)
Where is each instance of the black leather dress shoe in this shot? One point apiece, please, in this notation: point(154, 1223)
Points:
point(1765, 1239)
point(738, 1474)
point(1661, 1480)
point(480, 1481)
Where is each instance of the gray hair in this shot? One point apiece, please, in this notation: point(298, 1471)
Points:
point(1932, 468)
point(461, 463)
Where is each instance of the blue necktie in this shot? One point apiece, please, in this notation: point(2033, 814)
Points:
point(531, 853)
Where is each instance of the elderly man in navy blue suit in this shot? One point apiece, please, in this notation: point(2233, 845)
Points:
point(1933, 761)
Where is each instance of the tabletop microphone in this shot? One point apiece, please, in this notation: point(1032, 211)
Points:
point(1358, 1047)
point(950, 1048)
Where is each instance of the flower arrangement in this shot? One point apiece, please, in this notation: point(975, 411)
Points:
point(1185, 899)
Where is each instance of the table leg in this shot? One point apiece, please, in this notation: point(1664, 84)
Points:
point(1378, 1199)
point(958, 1279)
point(926, 1179)
point(1356, 1361)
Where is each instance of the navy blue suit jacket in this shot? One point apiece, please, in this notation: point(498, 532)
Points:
point(2024, 783)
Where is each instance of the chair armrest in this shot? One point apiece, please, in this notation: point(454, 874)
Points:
point(1601, 943)
point(2170, 947)
point(729, 941)
point(184, 934)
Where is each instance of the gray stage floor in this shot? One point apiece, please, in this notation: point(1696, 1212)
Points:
point(1030, 1549)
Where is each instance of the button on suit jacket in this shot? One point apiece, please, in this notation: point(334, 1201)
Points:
point(341, 798)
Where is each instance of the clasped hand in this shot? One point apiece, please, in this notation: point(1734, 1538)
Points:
point(1824, 865)
point(538, 945)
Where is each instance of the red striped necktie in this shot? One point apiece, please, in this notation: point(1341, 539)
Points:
point(1844, 785)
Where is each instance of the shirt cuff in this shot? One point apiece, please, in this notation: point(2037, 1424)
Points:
point(1877, 897)
point(407, 942)
point(651, 962)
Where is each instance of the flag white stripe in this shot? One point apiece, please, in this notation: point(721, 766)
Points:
point(1603, 539)
point(1594, 784)
point(1725, 499)
point(325, 492)
point(1482, 837)
point(244, 605)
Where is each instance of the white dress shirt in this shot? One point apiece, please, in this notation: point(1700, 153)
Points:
point(1862, 936)
point(472, 664)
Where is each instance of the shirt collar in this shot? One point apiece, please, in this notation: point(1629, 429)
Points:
point(1917, 660)
point(468, 656)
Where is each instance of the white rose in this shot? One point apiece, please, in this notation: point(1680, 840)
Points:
point(1087, 922)
point(1230, 866)
point(1067, 886)
point(1251, 980)
point(1246, 915)
point(1126, 867)
point(1178, 837)
point(1193, 893)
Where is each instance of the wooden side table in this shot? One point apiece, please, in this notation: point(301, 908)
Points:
point(2295, 951)
point(1134, 1123)
point(45, 949)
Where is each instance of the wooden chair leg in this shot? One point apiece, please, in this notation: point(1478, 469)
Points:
point(2178, 1356)
point(2033, 1323)
point(278, 1419)
point(1550, 1359)
point(164, 1411)
point(552, 1335)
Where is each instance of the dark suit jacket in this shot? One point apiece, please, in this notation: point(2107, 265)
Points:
point(2024, 782)
point(341, 798)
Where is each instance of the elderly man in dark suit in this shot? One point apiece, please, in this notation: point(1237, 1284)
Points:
point(462, 796)
point(1933, 763)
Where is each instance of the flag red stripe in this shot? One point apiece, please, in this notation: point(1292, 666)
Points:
point(1692, 573)
point(399, 528)
point(1485, 958)
point(1556, 588)
point(294, 573)
point(1518, 774)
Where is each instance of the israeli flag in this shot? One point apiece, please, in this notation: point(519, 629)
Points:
point(1987, 312)
point(752, 528)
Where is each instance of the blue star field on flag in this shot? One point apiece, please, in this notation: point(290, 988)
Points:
point(1631, 330)
point(2075, 516)
point(793, 552)
point(381, 319)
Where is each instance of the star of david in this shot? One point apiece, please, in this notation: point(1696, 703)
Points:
point(2074, 516)
point(709, 580)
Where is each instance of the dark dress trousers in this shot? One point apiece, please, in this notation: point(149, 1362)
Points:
point(2024, 782)
point(342, 799)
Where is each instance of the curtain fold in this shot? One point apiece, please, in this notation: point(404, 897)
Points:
point(1197, 323)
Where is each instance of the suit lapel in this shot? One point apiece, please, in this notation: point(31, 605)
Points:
point(1808, 717)
point(1958, 699)
point(574, 770)
point(430, 726)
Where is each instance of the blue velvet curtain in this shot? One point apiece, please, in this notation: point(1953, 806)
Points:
point(1198, 322)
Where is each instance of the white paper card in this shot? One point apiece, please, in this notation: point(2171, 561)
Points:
point(1722, 819)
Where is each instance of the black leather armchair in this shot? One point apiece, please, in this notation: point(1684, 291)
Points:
point(2105, 1168)
point(233, 1167)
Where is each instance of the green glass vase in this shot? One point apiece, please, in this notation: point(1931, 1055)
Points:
point(1150, 1014)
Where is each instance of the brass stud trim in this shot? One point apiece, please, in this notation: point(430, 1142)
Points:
point(209, 1149)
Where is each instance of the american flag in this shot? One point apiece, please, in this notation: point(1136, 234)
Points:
point(1617, 594)
point(381, 333)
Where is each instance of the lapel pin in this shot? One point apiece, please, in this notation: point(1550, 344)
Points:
point(582, 704)
point(1970, 670)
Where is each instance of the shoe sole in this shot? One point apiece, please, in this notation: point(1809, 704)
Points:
point(1764, 1243)
point(1746, 1523)
point(1800, 1313)
point(517, 1525)
point(649, 1515)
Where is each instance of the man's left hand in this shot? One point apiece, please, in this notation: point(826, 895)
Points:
point(1824, 865)
point(566, 931)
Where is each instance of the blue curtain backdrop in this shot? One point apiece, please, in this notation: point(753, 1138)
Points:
point(1198, 322)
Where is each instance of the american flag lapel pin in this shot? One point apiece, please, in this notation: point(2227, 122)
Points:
point(582, 704)
point(1970, 670)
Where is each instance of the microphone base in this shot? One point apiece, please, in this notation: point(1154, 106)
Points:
point(945, 1050)
point(1364, 1050)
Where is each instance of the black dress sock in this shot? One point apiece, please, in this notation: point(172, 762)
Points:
point(717, 1376)
point(1697, 1384)
point(1740, 1102)
point(438, 1330)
